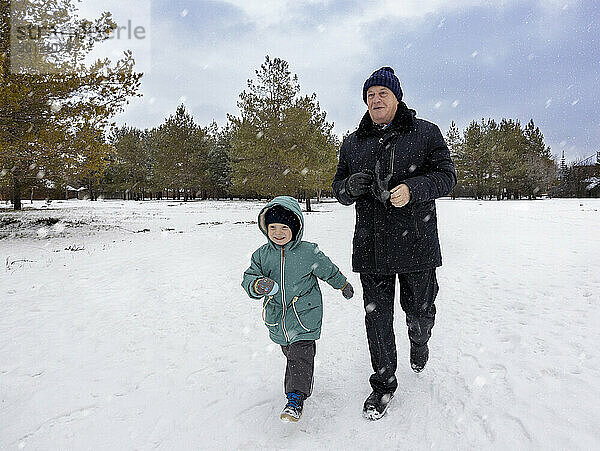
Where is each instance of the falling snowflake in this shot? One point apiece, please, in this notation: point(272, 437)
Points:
point(407, 46)
point(32, 166)
point(405, 233)
point(548, 102)
point(480, 381)
point(184, 13)
point(530, 56)
point(574, 102)
point(370, 307)
point(286, 172)
point(455, 103)
point(474, 54)
point(245, 180)
point(412, 168)
point(437, 105)
point(304, 171)
point(3, 172)
point(59, 227)
point(442, 22)
point(427, 218)
point(259, 135)
point(41, 174)
point(55, 106)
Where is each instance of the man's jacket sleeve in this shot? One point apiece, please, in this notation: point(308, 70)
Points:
point(342, 173)
point(326, 270)
point(439, 180)
point(251, 274)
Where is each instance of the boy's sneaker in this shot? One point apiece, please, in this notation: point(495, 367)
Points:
point(418, 356)
point(376, 405)
point(293, 409)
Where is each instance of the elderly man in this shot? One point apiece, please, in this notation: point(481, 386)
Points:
point(393, 167)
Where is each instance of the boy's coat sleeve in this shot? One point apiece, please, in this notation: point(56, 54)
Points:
point(251, 274)
point(326, 270)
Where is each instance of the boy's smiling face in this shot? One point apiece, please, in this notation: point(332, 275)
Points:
point(279, 233)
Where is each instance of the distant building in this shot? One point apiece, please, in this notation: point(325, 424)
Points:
point(580, 179)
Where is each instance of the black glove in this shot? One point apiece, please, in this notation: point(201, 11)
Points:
point(347, 290)
point(358, 184)
point(379, 186)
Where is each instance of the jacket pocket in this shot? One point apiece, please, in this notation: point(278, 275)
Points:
point(270, 312)
point(294, 300)
point(404, 221)
point(308, 313)
point(416, 224)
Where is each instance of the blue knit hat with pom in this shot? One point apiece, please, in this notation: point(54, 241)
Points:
point(383, 77)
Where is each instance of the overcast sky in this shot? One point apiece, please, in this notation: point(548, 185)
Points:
point(457, 60)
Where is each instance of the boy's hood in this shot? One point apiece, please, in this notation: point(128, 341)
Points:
point(289, 203)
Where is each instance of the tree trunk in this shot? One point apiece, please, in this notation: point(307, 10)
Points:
point(308, 203)
point(16, 193)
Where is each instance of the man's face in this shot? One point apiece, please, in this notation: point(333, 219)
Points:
point(382, 104)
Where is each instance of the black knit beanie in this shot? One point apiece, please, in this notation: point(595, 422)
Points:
point(383, 77)
point(282, 215)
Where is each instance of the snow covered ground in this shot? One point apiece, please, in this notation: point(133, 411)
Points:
point(123, 325)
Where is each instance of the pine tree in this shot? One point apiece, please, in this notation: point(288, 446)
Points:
point(282, 143)
point(47, 99)
point(181, 149)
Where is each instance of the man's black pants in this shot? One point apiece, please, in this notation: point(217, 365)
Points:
point(300, 366)
point(417, 296)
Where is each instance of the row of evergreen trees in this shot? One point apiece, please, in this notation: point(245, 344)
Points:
point(502, 160)
point(280, 144)
point(55, 131)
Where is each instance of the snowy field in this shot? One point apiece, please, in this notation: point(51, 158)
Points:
point(123, 325)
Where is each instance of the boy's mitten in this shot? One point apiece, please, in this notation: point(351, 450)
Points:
point(265, 286)
point(347, 290)
point(358, 184)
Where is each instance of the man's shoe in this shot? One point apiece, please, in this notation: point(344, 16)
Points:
point(293, 409)
point(418, 356)
point(376, 405)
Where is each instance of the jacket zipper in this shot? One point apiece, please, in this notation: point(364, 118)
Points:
point(287, 338)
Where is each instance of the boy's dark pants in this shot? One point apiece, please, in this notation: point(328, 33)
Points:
point(300, 366)
point(417, 295)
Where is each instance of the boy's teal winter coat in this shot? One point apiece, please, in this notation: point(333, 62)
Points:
point(295, 267)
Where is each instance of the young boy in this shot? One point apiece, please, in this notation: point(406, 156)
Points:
point(284, 272)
